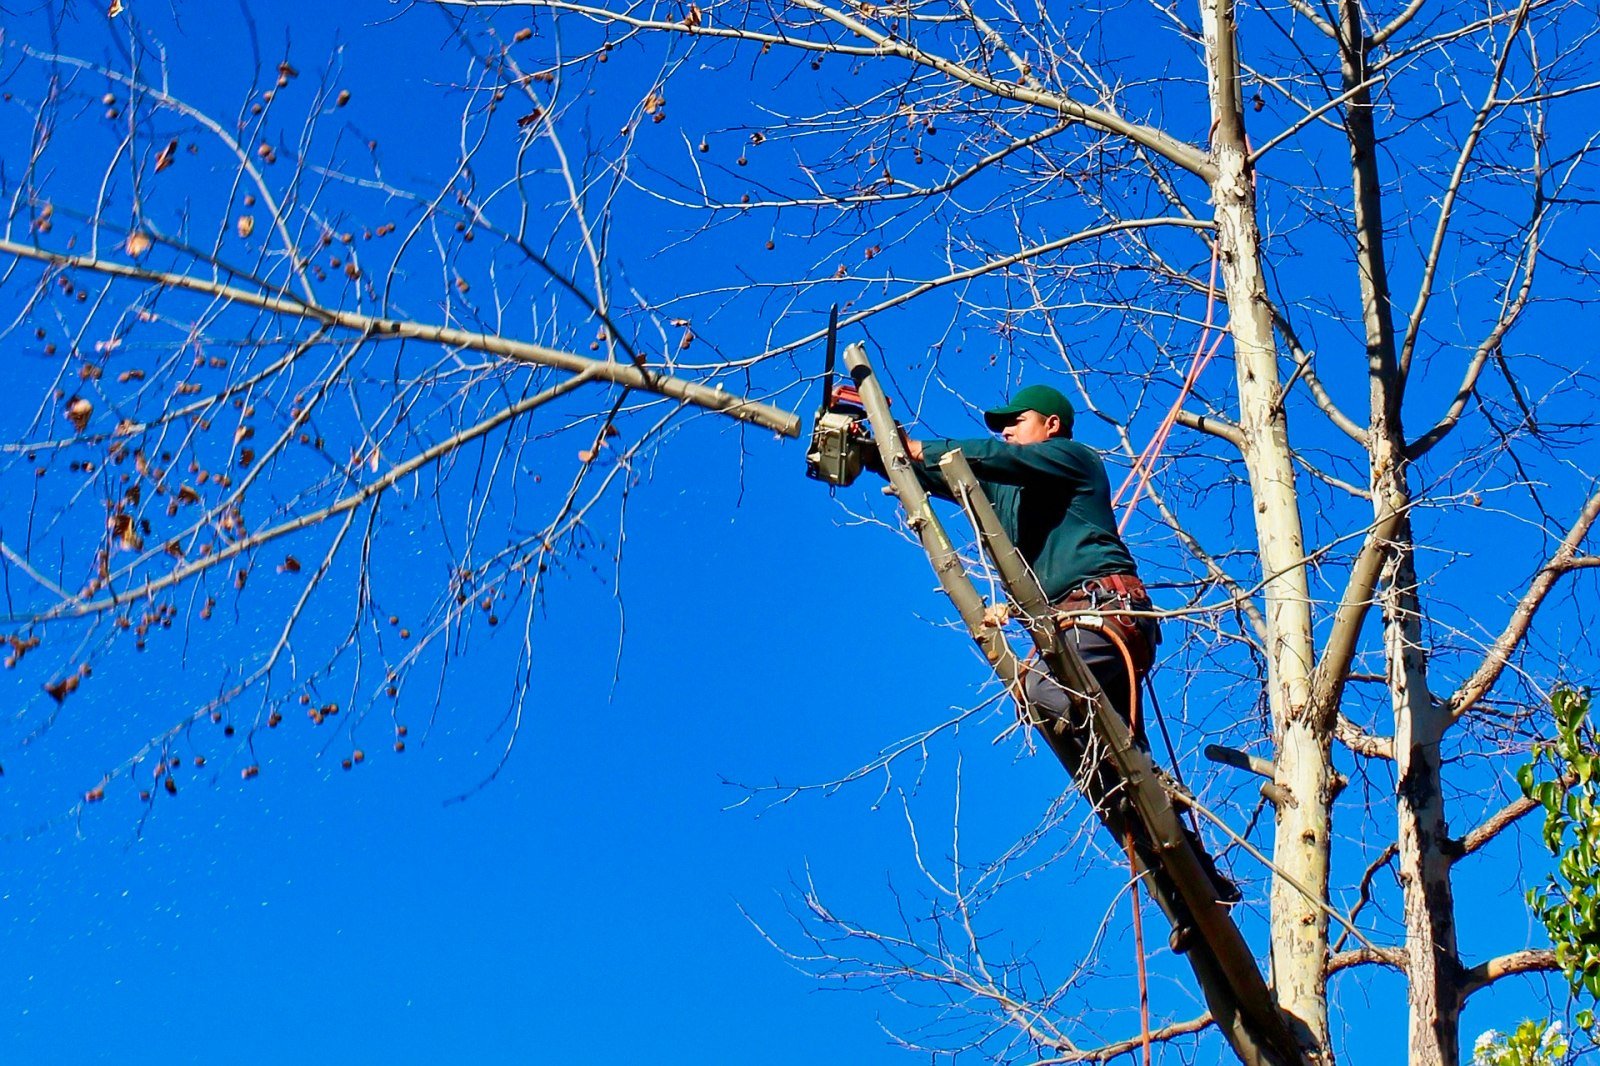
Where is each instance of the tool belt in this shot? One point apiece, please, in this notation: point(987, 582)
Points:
point(1113, 590)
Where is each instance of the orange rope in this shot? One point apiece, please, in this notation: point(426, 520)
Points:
point(1144, 466)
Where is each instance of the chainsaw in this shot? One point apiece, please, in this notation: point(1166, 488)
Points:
point(840, 434)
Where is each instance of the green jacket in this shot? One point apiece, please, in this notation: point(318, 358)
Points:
point(1053, 500)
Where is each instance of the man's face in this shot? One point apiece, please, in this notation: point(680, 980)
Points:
point(1031, 427)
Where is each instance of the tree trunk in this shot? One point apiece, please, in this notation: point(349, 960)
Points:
point(1432, 965)
point(1299, 926)
point(1429, 905)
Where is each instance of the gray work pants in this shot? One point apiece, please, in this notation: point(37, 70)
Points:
point(1105, 662)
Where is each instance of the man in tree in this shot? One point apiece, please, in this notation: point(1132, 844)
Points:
point(1054, 501)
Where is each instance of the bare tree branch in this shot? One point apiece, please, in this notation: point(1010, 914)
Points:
point(1333, 667)
point(883, 44)
point(1360, 741)
point(1108, 1052)
point(1469, 145)
point(1494, 825)
point(1303, 370)
point(627, 375)
point(1486, 973)
point(1565, 560)
point(1217, 427)
point(1394, 958)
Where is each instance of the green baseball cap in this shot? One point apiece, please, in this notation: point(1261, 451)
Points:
point(1041, 398)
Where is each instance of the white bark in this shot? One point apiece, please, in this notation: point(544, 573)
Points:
point(1299, 927)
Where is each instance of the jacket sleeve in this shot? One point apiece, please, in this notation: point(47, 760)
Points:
point(928, 474)
point(1014, 464)
point(931, 477)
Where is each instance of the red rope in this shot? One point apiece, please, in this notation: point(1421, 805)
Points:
point(1144, 466)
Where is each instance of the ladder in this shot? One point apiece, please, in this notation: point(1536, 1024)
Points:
point(1115, 774)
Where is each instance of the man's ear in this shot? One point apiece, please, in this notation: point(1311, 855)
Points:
point(1052, 423)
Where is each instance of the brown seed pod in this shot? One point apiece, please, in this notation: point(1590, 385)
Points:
point(78, 413)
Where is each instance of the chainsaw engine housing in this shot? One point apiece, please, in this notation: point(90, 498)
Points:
point(836, 444)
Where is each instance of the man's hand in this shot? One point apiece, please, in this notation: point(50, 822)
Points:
point(914, 449)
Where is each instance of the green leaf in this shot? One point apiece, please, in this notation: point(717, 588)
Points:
point(1525, 779)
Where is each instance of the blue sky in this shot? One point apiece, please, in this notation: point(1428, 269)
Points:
point(603, 894)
